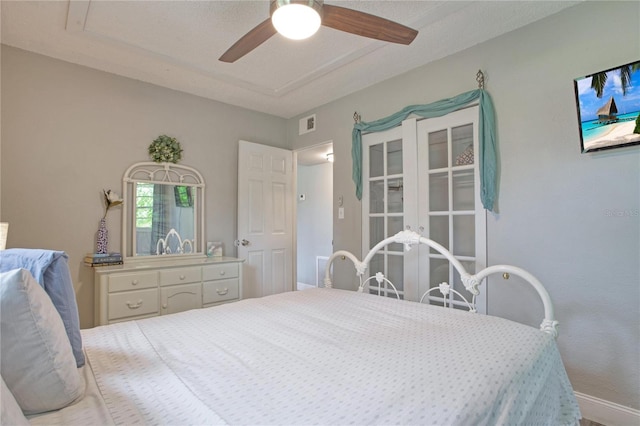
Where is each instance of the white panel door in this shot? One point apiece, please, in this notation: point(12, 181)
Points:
point(265, 222)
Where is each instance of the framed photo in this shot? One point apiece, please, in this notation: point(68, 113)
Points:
point(214, 249)
point(608, 105)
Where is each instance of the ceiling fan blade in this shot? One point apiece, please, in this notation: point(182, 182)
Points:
point(366, 25)
point(249, 41)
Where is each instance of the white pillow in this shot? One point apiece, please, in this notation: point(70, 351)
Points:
point(10, 412)
point(36, 360)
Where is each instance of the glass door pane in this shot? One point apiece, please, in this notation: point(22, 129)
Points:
point(395, 224)
point(464, 234)
point(384, 181)
point(438, 150)
point(394, 157)
point(439, 272)
point(438, 192)
point(376, 196)
point(395, 196)
point(462, 145)
point(395, 266)
point(439, 230)
point(376, 160)
point(376, 231)
point(376, 264)
point(463, 190)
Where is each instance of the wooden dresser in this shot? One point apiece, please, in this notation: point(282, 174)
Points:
point(140, 290)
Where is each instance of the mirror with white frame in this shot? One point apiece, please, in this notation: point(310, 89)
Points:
point(163, 212)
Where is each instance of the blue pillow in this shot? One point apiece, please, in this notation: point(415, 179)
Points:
point(51, 270)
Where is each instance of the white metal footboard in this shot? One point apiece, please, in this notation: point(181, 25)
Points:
point(470, 282)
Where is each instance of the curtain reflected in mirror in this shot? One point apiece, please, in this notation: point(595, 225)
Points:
point(159, 209)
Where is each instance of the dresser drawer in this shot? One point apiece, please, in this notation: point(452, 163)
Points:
point(132, 281)
point(141, 289)
point(180, 298)
point(222, 271)
point(180, 276)
point(220, 290)
point(133, 303)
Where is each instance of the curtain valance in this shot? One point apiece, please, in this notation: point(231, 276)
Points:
point(486, 131)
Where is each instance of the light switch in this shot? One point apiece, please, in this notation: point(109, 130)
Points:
point(341, 213)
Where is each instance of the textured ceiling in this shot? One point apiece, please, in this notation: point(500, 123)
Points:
point(176, 44)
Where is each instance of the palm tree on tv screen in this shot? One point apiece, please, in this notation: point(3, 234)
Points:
point(598, 80)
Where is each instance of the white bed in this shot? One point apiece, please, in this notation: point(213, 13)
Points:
point(323, 356)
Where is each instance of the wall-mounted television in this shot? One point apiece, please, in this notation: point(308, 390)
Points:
point(608, 104)
point(184, 197)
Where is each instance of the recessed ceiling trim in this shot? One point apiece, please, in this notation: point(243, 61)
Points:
point(328, 68)
point(79, 13)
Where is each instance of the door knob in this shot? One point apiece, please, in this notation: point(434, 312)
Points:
point(242, 243)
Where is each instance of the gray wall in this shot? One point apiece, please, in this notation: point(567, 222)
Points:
point(553, 200)
point(70, 131)
point(315, 226)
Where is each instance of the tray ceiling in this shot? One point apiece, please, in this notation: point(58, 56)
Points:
point(176, 44)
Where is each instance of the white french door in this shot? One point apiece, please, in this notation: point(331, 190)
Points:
point(449, 204)
point(424, 176)
point(388, 206)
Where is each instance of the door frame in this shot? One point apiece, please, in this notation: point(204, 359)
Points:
point(295, 204)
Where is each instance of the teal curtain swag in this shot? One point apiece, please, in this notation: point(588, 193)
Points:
point(488, 154)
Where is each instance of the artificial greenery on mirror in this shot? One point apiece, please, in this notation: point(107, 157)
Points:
point(165, 149)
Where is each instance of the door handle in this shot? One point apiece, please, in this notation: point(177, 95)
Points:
point(242, 243)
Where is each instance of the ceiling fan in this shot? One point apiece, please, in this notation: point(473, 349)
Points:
point(299, 19)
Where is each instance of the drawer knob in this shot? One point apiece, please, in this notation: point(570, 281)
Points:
point(182, 277)
point(134, 282)
point(222, 272)
point(222, 292)
point(134, 305)
point(164, 306)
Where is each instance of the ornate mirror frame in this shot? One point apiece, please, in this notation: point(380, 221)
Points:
point(163, 174)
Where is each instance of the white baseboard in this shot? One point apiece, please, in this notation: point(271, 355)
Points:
point(606, 412)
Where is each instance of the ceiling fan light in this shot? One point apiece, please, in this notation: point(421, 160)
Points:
point(295, 20)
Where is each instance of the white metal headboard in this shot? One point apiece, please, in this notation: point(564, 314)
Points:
point(470, 282)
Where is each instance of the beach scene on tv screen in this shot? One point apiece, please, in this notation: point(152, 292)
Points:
point(609, 107)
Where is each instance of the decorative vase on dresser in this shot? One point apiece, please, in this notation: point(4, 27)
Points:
point(103, 237)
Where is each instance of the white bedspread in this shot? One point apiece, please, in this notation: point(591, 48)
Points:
point(332, 357)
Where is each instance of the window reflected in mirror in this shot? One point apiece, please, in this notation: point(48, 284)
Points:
point(144, 205)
